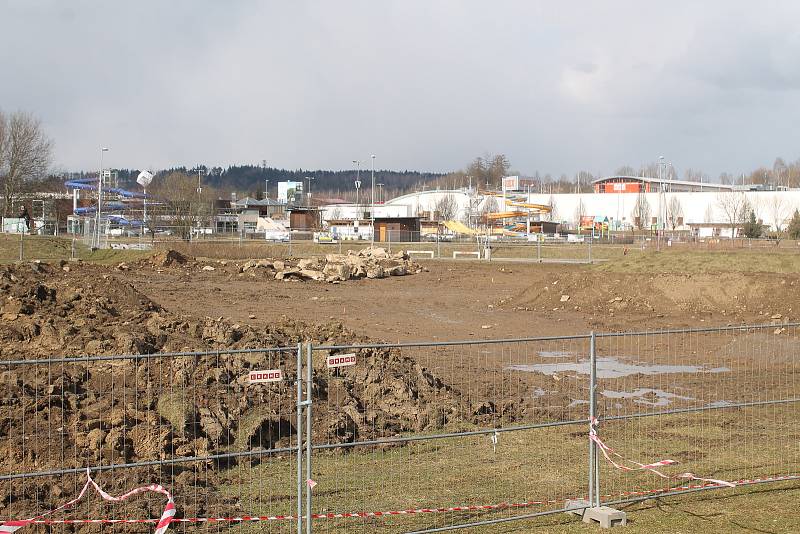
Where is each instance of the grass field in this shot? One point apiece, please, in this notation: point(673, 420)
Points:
point(540, 465)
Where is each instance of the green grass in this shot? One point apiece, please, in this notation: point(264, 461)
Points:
point(51, 248)
point(543, 464)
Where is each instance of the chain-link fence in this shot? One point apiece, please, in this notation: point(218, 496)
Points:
point(417, 437)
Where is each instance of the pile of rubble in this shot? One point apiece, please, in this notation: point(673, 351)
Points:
point(49, 310)
point(335, 268)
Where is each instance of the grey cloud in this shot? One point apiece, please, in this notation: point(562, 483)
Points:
point(425, 85)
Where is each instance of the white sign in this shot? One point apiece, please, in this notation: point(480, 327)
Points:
point(286, 190)
point(341, 360)
point(511, 183)
point(260, 377)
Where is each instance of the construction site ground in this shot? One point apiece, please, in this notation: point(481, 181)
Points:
point(464, 300)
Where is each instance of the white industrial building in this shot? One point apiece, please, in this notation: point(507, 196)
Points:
point(705, 213)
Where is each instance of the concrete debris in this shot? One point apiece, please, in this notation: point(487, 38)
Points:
point(370, 263)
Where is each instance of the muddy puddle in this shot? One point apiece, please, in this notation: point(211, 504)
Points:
point(613, 368)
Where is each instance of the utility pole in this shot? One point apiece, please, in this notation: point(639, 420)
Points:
point(266, 180)
point(308, 190)
point(372, 207)
point(96, 244)
point(358, 185)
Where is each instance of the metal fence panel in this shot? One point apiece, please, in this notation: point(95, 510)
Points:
point(720, 403)
point(404, 437)
point(450, 432)
point(192, 423)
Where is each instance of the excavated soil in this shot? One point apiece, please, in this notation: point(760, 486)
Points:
point(66, 415)
point(151, 409)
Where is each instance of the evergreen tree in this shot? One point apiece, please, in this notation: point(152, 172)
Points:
point(752, 228)
point(794, 226)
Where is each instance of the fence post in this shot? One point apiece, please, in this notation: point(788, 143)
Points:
point(309, 387)
point(299, 434)
point(72, 250)
point(21, 246)
point(539, 248)
point(591, 238)
point(594, 466)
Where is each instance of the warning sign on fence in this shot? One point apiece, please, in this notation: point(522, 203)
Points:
point(260, 377)
point(341, 360)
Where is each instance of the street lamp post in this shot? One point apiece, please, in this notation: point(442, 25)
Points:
point(372, 207)
point(358, 199)
point(358, 182)
point(308, 192)
point(96, 243)
point(199, 186)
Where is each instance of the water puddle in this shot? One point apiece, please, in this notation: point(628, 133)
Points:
point(650, 397)
point(719, 404)
point(613, 368)
point(554, 353)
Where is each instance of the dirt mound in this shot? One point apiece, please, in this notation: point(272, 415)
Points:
point(167, 258)
point(149, 409)
point(750, 297)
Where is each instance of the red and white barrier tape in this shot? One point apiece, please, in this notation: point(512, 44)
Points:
point(168, 516)
point(161, 524)
point(608, 452)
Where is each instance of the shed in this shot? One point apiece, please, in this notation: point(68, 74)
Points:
point(397, 229)
point(303, 218)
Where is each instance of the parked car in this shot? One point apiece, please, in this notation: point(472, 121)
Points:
point(275, 236)
point(324, 238)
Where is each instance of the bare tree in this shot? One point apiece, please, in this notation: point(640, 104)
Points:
point(779, 211)
point(674, 212)
point(489, 205)
point(735, 208)
point(580, 213)
point(553, 215)
point(708, 216)
point(446, 207)
point(335, 214)
point(641, 212)
point(181, 203)
point(25, 153)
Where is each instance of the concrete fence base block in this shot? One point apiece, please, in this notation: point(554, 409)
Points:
point(606, 517)
point(579, 506)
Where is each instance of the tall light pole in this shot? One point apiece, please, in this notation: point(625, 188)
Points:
point(96, 243)
point(308, 191)
point(372, 207)
point(199, 185)
point(266, 180)
point(358, 198)
point(358, 181)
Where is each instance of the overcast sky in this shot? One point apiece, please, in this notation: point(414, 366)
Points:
point(426, 85)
